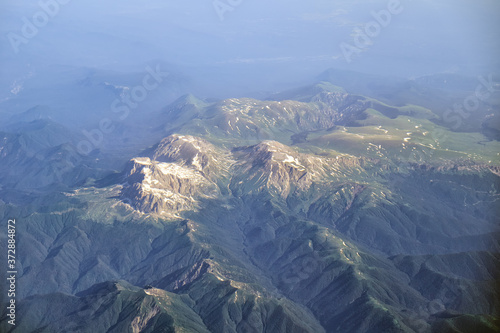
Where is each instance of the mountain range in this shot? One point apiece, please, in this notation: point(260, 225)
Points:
point(315, 210)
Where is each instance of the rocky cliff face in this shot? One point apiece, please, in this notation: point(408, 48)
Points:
point(181, 171)
point(269, 166)
point(165, 188)
point(193, 153)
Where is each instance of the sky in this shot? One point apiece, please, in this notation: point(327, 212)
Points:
point(250, 45)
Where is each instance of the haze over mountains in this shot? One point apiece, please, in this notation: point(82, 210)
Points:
point(175, 168)
point(258, 46)
point(324, 212)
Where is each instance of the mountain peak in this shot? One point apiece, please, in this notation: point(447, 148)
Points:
point(35, 113)
point(180, 171)
point(165, 188)
point(188, 151)
point(188, 99)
